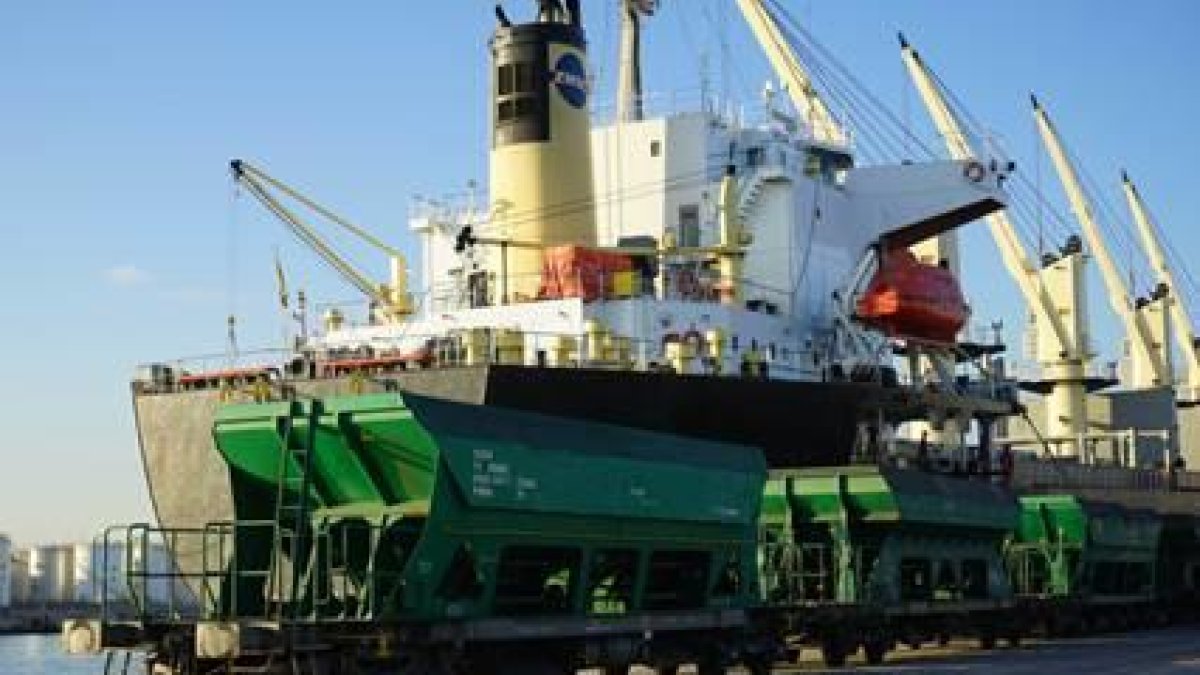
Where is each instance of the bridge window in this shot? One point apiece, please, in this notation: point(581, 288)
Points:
point(831, 166)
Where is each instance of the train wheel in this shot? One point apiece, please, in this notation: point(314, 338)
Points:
point(833, 651)
point(432, 664)
point(710, 667)
point(512, 664)
point(759, 666)
point(876, 648)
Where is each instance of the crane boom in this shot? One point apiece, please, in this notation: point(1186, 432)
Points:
point(1136, 327)
point(1012, 252)
point(392, 299)
point(249, 169)
point(789, 69)
point(1180, 318)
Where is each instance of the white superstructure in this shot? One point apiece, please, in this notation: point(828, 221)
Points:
point(812, 218)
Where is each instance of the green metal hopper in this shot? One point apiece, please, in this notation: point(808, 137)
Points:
point(883, 536)
point(1071, 547)
point(398, 506)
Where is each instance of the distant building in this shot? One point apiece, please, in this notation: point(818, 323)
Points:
point(100, 573)
point(56, 574)
point(6, 565)
point(52, 573)
point(20, 591)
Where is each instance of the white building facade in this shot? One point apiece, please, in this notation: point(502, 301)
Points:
point(6, 566)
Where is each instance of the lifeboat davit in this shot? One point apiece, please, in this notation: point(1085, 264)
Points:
point(908, 299)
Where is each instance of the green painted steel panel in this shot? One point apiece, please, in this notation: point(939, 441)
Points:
point(884, 494)
point(397, 452)
point(366, 449)
point(1074, 521)
point(559, 465)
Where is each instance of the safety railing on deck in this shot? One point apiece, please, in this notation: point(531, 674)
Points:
point(165, 575)
point(1037, 473)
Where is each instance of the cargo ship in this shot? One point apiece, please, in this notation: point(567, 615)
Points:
point(694, 273)
point(683, 388)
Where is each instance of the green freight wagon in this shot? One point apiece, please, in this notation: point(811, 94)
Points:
point(1179, 566)
point(387, 509)
point(870, 555)
point(1069, 553)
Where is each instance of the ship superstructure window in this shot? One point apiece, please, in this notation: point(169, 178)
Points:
point(656, 148)
point(830, 165)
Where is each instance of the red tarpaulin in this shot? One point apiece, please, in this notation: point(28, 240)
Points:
point(578, 272)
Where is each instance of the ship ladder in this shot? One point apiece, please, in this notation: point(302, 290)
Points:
point(291, 524)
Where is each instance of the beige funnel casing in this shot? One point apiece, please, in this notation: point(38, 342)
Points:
point(541, 182)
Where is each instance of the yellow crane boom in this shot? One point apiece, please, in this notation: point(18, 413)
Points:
point(1180, 318)
point(1137, 328)
point(392, 299)
point(788, 67)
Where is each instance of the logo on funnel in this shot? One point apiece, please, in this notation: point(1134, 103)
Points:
point(570, 78)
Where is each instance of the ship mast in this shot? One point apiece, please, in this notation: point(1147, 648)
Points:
point(1151, 363)
point(1180, 319)
point(630, 102)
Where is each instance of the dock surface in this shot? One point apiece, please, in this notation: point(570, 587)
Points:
point(1150, 652)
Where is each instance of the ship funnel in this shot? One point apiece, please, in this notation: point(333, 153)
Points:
point(541, 157)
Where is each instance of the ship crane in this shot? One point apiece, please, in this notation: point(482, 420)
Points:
point(1055, 293)
point(791, 71)
point(392, 300)
point(1147, 337)
point(1181, 322)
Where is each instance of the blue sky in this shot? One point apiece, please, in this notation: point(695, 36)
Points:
point(122, 242)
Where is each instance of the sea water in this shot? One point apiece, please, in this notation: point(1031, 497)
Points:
point(43, 655)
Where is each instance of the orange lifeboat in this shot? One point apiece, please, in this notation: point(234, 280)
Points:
point(908, 299)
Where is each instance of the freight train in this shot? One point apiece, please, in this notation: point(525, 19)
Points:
point(396, 533)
